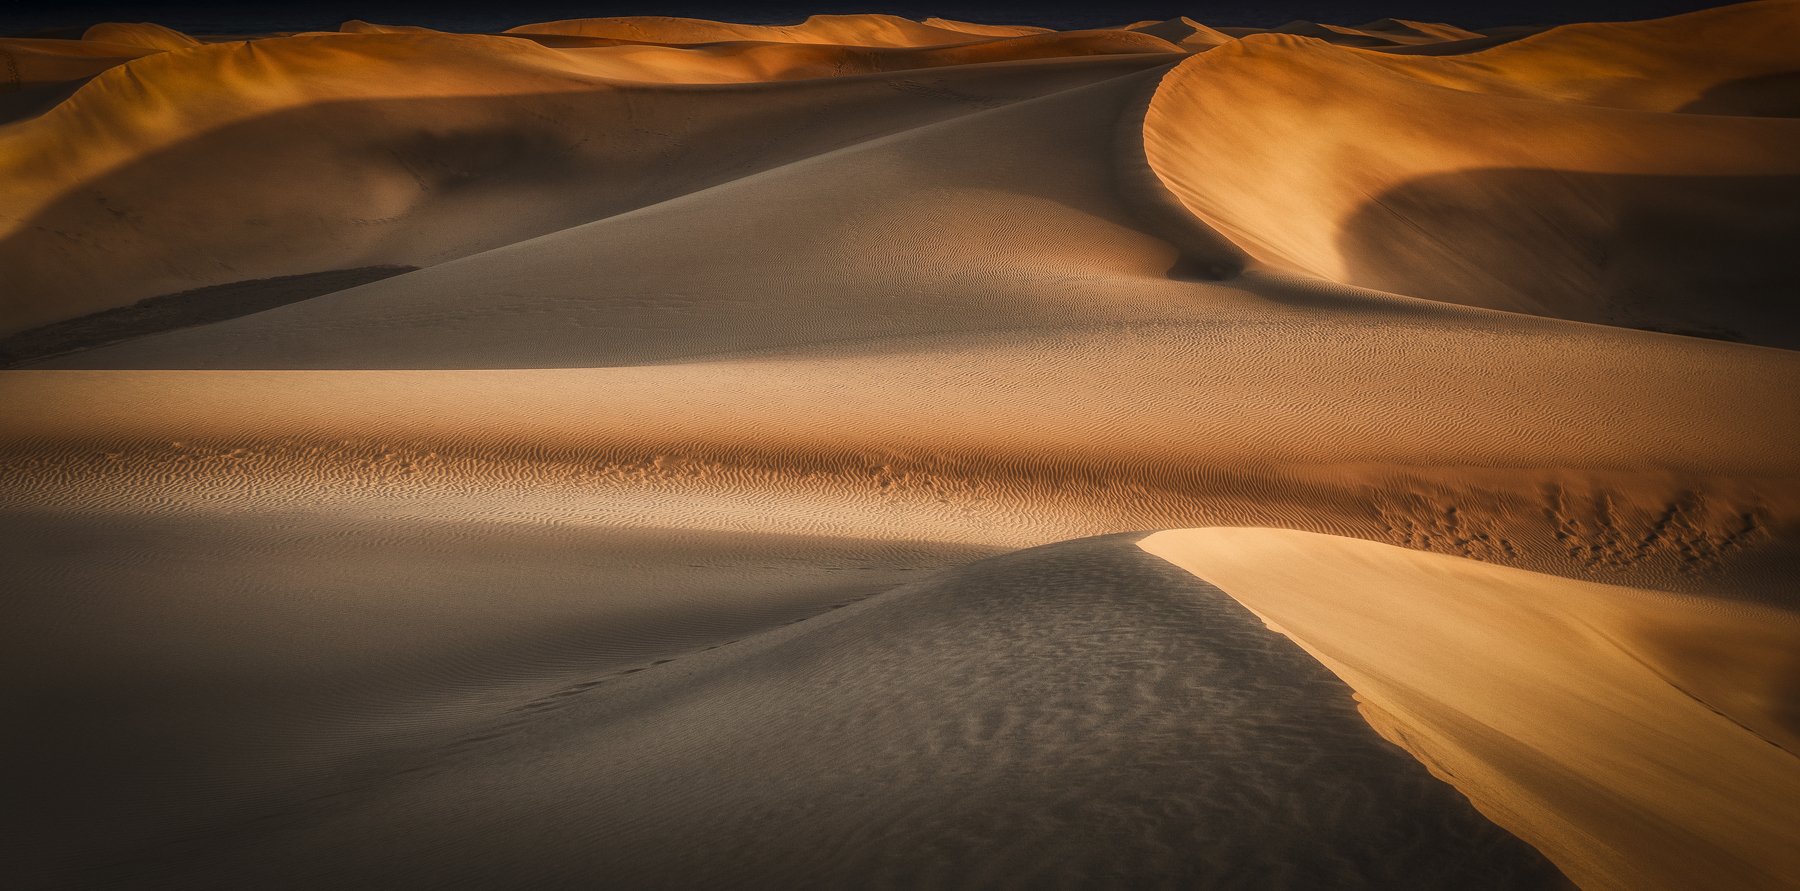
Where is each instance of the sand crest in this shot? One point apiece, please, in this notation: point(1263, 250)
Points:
point(666, 453)
point(1610, 726)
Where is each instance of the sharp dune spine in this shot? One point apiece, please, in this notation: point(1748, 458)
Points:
point(658, 452)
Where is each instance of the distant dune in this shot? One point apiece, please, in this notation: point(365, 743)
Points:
point(836, 30)
point(657, 452)
point(423, 147)
point(1573, 174)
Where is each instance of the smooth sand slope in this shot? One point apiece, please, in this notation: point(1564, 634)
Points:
point(1620, 730)
point(1574, 174)
point(420, 148)
point(937, 733)
point(194, 673)
point(1661, 479)
point(715, 501)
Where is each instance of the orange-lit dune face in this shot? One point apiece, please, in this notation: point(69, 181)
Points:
point(1577, 173)
point(658, 452)
point(423, 147)
point(147, 35)
point(1546, 698)
point(837, 30)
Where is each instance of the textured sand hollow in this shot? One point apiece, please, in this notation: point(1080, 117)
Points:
point(663, 453)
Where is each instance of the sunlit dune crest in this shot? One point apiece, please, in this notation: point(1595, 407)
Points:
point(841, 30)
point(148, 35)
point(1544, 698)
point(1539, 176)
point(658, 452)
point(1188, 33)
point(358, 26)
point(398, 131)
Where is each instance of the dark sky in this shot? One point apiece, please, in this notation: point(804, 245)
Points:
point(217, 16)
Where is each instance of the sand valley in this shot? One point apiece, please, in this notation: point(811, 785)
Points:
point(873, 452)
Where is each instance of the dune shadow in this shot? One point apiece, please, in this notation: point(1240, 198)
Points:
point(1703, 256)
point(1205, 254)
point(1079, 714)
point(1469, 45)
point(418, 181)
point(183, 309)
point(33, 100)
point(1767, 96)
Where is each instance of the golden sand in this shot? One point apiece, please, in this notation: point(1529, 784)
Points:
point(722, 474)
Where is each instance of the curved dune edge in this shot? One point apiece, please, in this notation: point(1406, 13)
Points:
point(1536, 176)
point(417, 148)
point(1540, 176)
point(699, 356)
point(147, 35)
point(1611, 727)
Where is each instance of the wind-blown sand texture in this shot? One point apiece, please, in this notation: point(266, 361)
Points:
point(673, 453)
point(1620, 730)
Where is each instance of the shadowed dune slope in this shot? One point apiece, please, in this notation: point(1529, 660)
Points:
point(1622, 731)
point(1561, 154)
point(185, 676)
point(1497, 37)
point(1287, 418)
point(1186, 32)
point(830, 261)
point(1023, 719)
point(36, 75)
point(1419, 32)
point(1334, 34)
point(184, 309)
point(1380, 34)
point(758, 61)
point(747, 486)
point(27, 63)
point(414, 149)
point(982, 30)
point(802, 355)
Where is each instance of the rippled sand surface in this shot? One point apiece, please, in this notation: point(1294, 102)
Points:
point(872, 452)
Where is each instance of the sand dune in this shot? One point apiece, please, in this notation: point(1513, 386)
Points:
point(1048, 694)
point(1406, 31)
point(1670, 485)
point(840, 30)
point(358, 26)
point(33, 63)
point(1495, 37)
point(1184, 31)
point(982, 30)
point(660, 452)
point(37, 75)
point(416, 145)
point(1380, 34)
point(675, 286)
point(1606, 725)
point(298, 685)
point(1335, 34)
point(147, 35)
point(1521, 194)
